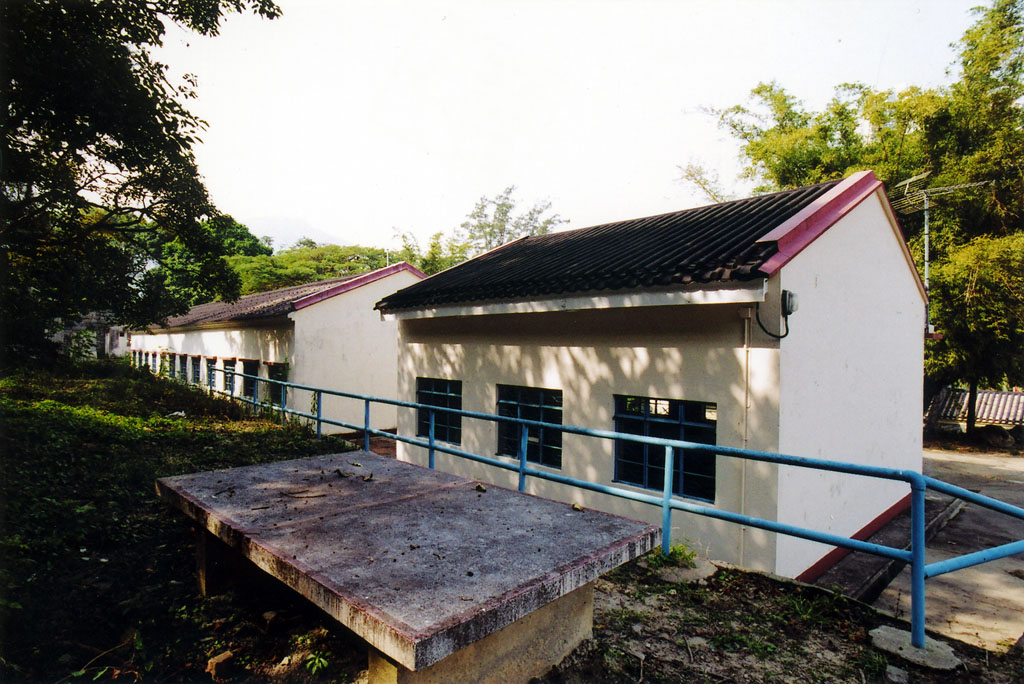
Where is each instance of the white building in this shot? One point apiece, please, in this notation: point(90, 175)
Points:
point(652, 326)
point(322, 334)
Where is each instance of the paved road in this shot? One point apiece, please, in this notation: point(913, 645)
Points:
point(983, 605)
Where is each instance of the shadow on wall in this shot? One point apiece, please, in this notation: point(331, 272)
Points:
point(592, 356)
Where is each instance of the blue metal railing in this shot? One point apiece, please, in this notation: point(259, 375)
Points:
point(918, 482)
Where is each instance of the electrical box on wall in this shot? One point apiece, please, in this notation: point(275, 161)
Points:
point(790, 302)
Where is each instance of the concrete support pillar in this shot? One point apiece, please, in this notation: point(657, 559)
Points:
point(527, 648)
point(213, 562)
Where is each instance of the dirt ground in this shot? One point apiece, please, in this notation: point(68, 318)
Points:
point(746, 627)
point(732, 627)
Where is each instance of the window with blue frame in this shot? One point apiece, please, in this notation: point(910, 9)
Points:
point(445, 394)
point(277, 371)
point(643, 465)
point(155, 362)
point(543, 445)
point(211, 373)
point(250, 367)
point(229, 376)
point(197, 362)
point(183, 367)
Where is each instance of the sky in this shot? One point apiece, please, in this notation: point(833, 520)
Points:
point(348, 121)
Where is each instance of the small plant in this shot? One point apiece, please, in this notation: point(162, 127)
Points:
point(679, 555)
point(814, 609)
point(623, 619)
point(802, 608)
point(316, 661)
point(727, 578)
point(872, 663)
point(742, 641)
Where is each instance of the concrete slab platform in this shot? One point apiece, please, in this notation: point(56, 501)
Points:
point(418, 563)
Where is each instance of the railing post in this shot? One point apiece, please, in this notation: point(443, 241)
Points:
point(917, 563)
point(430, 452)
point(524, 435)
point(319, 413)
point(284, 396)
point(366, 425)
point(666, 503)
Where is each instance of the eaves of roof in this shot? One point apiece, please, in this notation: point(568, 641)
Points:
point(273, 307)
point(733, 241)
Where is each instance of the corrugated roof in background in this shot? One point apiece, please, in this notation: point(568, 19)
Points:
point(255, 306)
point(993, 407)
point(714, 243)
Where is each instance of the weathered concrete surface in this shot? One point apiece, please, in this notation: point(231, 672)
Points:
point(937, 655)
point(527, 648)
point(983, 605)
point(418, 563)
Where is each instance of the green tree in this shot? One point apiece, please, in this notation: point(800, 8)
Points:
point(442, 252)
point(304, 264)
point(305, 243)
point(787, 147)
point(98, 172)
point(493, 222)
point(706, 181)
point(977, 299)
point(969, 133)
point(237, 239)
point(191, 279)
point(976, 134)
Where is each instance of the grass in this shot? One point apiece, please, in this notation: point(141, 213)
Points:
point(95, 575)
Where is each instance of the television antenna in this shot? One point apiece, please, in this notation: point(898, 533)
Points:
point(914, 199)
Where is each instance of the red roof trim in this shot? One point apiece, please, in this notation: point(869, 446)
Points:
point(357, 282)
point(814, 219)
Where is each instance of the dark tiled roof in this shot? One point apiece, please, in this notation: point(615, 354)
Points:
point(255, 306)
point(713, 243)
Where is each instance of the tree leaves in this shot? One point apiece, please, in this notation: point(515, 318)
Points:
point(970, 132)
point(493, 222)
point(978, 305)
point(305, 264)
point(98, 171)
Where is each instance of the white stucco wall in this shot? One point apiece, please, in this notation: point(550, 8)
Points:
point(850, 378)
point(337, 343)
point(268, 344)
point(342, 343)
point(692, 352)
